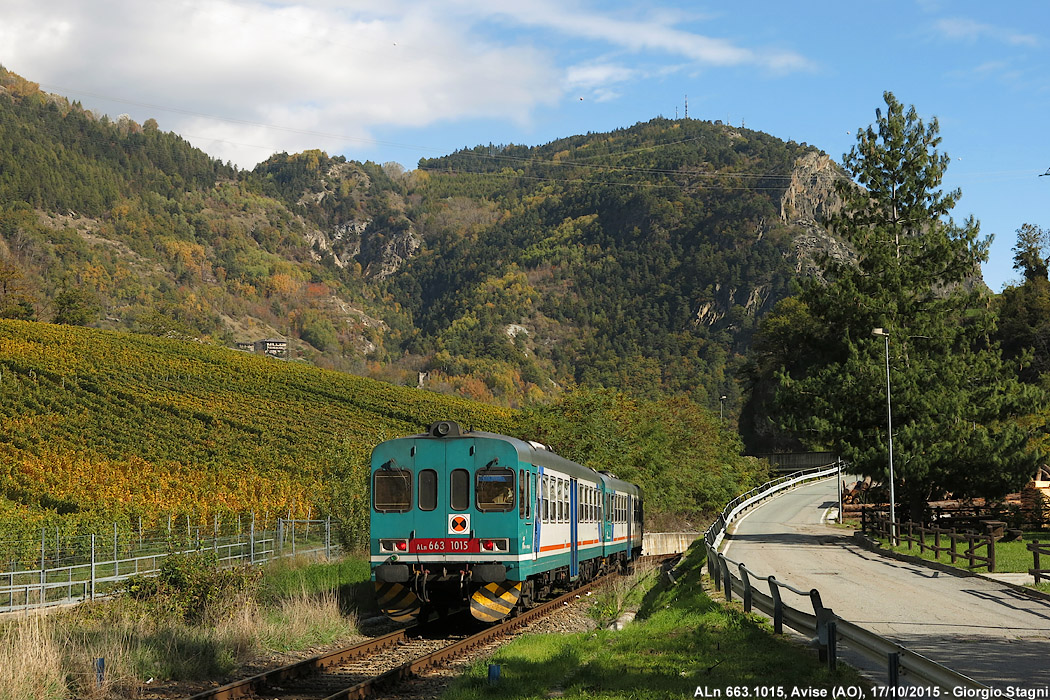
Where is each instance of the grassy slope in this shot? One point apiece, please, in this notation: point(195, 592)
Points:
point(95, 423)
point(682, 641)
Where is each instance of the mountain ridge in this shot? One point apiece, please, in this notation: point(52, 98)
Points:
point(638, 259)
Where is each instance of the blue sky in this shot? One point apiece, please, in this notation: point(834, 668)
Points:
point(399, 80)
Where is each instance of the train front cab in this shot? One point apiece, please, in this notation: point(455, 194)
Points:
point(452, 518)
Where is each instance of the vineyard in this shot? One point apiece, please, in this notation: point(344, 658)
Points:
point(99, 426)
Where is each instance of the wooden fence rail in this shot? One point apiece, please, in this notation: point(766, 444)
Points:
point(1036, 549)
point(914, 534)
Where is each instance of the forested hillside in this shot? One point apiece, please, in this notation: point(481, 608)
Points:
point(117, 225)
point(638, 259)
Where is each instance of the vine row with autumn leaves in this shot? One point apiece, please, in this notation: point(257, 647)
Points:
point(97, 427)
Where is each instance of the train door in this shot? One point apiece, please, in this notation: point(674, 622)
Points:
point(607, 522)
point(574, 528)
point(542, 504)
point(630, 525)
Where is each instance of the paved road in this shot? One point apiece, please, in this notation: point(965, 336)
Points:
point(977, 627)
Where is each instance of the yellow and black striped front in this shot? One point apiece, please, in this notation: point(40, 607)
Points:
point(397, 601)
point(494, 601)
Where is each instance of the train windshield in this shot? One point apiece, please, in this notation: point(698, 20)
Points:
point(495, 489)
point(392, 489)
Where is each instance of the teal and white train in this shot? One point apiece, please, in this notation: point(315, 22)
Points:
point(464, 517)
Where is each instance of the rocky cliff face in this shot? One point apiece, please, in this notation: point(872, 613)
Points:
point(809, 200)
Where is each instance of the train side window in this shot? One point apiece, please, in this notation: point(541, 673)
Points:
point(459, 491)
point(545, 498)
point(521, 493)
point(494, 489)
point(563, 510)
point(528, 494)
point(557, 499)
point(428, 489)
point(392, 489)
point(531, 512)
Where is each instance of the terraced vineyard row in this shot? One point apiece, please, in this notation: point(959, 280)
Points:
point(101, 425)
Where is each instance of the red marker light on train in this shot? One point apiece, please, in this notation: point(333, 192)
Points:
point(402, 546)
point(487, 545)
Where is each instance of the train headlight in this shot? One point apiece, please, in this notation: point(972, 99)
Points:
point(496, 545)
point(393, 545)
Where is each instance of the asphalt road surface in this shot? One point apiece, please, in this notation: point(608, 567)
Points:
point(978, 627)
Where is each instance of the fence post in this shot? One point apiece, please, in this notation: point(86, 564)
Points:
point(894, 667)
point(728, 587)
point(279, 544)
point(251, 540)
point(43, 574)
point(1034, 549)
point(747, 587)
point(832, 646)
point(116, 552)
point(955, 545)
point(824, 616)
point(713, 567)
point(970, 550)
point(92, 566)
point(778, 606)
point(328, 538)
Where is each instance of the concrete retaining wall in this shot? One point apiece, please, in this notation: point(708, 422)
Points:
point(668, 542)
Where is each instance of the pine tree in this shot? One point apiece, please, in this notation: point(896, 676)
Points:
point(955, 403)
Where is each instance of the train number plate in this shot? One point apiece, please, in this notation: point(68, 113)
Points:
point(443, 545)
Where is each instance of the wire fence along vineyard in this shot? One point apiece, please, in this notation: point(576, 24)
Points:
point(74, 568)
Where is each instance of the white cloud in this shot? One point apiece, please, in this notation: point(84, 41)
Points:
point(308, 68)
point(656, 32)
point(243, 78)
point(959, 28)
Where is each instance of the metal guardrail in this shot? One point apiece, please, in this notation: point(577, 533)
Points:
point(823, 625)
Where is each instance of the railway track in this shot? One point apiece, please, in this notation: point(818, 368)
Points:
point(365, 669)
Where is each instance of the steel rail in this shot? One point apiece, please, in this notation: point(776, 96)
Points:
point(248, 686)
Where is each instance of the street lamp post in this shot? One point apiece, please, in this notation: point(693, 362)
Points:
point(880, 332)
point(721, 403)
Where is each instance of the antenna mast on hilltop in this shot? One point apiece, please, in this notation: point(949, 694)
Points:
point(687, 106)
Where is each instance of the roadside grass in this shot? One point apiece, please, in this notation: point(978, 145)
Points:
point(1010, 557)
point(161, 634)
point(681, 642)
